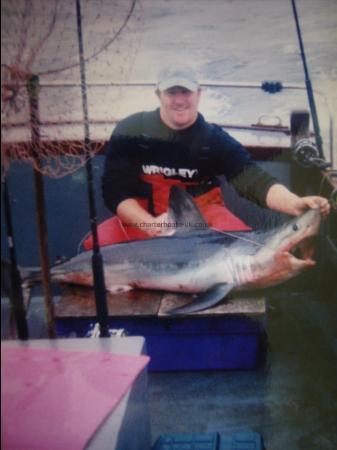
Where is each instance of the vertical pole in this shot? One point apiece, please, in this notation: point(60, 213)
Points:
point(308, 84)
point(97, 260)
point(33, 92)
point(15, 294)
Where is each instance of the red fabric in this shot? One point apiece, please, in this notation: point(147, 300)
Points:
point(212, 197)
point(112, 231)
point(216, 214)
point(220, 218)
point(57, 399)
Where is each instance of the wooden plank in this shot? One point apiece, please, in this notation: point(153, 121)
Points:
point(78, 301)
point(249, 305)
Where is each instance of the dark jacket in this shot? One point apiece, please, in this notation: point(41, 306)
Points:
point(142, 147)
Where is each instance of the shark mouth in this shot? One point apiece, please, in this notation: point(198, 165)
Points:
point(301, 245)
point(305, 249)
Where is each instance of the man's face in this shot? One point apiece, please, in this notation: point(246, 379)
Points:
point(178, 107)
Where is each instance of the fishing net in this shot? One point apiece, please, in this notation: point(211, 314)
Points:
point(41, 97)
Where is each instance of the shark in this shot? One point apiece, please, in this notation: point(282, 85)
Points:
point(198, 260)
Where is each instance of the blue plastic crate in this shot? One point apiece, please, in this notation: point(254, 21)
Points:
point(199, 343)
point(210, 441)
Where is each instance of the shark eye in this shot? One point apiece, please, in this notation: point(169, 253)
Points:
point(296, 227)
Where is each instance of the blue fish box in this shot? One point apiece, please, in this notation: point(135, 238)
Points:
point(229, 336)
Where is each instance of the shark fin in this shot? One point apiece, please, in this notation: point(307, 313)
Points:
point(205, 300)
point(184, 212)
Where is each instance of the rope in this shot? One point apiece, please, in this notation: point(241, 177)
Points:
point(227, 233)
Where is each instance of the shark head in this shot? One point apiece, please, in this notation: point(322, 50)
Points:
point(291, 247)
point(296, 235)
point(277, 255)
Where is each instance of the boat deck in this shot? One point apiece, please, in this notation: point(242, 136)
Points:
point(80, 302)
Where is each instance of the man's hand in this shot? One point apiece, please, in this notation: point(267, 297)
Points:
point(312, 201)
point(131, 212)
point(160, 226)
point(281, 199)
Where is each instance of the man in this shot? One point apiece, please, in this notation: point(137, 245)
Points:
point(151, 151)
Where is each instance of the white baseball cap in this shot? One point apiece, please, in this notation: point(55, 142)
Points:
point(184, 76)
